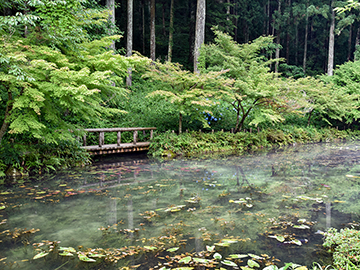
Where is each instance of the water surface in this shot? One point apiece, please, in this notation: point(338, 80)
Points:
point(130, 212)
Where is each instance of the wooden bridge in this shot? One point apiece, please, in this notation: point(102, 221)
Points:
point(117, 147)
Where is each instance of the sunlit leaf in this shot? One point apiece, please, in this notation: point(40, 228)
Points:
point(183, 268)
point(66, 254)
point(238, 256)
point(40, 255)
point(84, 258)
point(297, 242)
point(150, 247)
point(217, 256)
point(172, 249)
point(200, 260)
point(210, 248)
point(302, 226)
point(256, 257)
point(271, 267)
point(2, 207)
point(280, 238)
point(252, 263)
point(185, 260)
point(301, 268)
point(229, 263)
point(68, 249)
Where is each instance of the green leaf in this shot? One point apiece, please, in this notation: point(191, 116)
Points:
point(252, 263)
point(150, 247)
point(2, 207)
point(185, 260)
point(238, 256)
point(217, 256)
point(229, 263)
point(210, 248)
point(66, 254)
point(68, 249)
point(201, 260)
point(256, 257)
point(84, 258)
point(172, 249)
point(271, 267)
point(40, 255)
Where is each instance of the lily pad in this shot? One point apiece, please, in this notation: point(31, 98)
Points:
point(238, 256)
point(68, 249)
point(172, 249)
point(210, 248)
point(84, 258)
point(201, 260)
point(185, 260)
point(66, 254)
point(40, 255)
point(229, 263)
point(217, 256)
point(252, 263)
point(150, 247)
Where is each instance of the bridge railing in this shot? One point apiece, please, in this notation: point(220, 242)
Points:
point(102, 131)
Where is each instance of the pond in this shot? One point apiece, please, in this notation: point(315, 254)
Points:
point(205, 213)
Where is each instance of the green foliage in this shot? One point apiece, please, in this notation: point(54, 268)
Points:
point(345, 246)
point(190, 93)
point(194, 143)
point(257, 93)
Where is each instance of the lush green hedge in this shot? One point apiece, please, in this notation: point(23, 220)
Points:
point(194, 143)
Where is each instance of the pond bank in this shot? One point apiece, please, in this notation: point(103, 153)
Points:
point(196, 143)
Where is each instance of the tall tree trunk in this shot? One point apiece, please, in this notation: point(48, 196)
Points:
point(129, 38)
point(330, 68)
point(191, 12)
point(180, 122)
point(163, 18)
point(268, 18)
point(199, 31)
point(349, 42)
point(296, 42)
point(288, 34)
point(110, 4)
point(143, 25)
point(277, 51)
point(171, 30)
point(306, 37)
point(5, 124)
point(357, 43)
point(152, 30)
point(236, 22)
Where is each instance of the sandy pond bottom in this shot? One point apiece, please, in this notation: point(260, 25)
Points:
point(225, 213)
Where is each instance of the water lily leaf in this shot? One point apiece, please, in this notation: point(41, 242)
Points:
point(40, 255)
point(68, 249)
point(301, 268)
point(172, 249)
point(337, 201)
point(2, 207)
point(200, 260)
point(302, 227)
point(238, 256)
point(185, 260)
point(297, 242)
point(222, 244)
point(66, 254)
point(271, 267)
point(230, 241)
point(183, 268)
point(210, 248)
point(252, 263)
point(229, 263)
point(84, 258)
point(256, 256)
point(5, 193)
point(95, 255)
point(217, 256)
point(280, 238)
point(302, 220)
point(150, 247)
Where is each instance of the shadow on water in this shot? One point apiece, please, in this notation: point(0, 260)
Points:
point(202, 213)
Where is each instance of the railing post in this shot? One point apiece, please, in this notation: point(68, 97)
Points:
point(84, 139)
point(118, 138)
point(135, 136)
point(151, 134)
point(101, 139)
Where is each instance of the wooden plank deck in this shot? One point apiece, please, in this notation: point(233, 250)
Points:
point(114, 148)
point(119, 147)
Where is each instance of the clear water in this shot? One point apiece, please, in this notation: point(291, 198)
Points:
point(134, 209)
